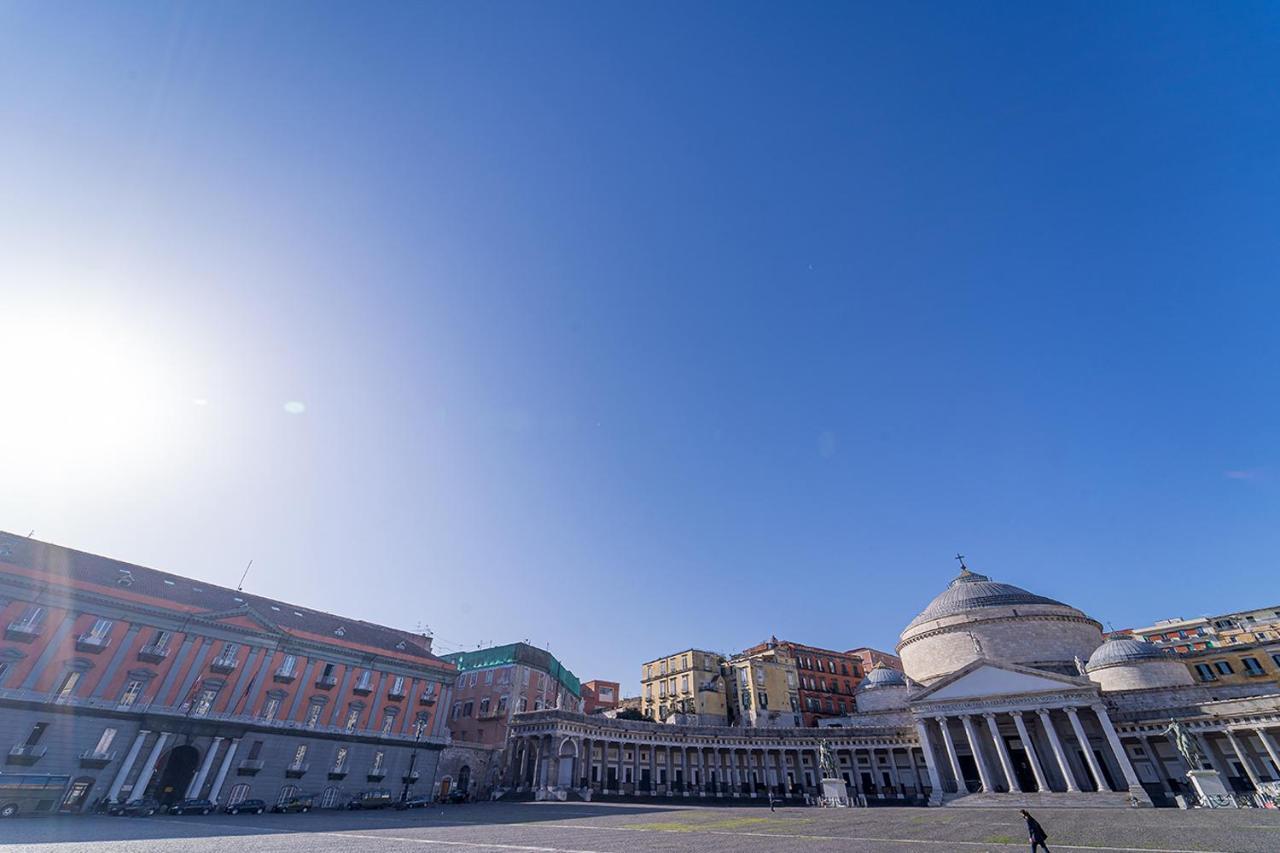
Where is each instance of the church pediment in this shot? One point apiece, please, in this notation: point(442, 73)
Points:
point(983, 678)
point(242, 617)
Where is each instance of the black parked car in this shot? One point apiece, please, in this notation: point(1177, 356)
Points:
point(191, 807)
point(293, 804)
point(457, 796)
point(413, 803)
point(138, 808)
point(250, 806)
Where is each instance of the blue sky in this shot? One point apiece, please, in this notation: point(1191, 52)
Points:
point(625, 329)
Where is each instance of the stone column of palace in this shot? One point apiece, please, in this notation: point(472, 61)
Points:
point(984, 772)
point(895, 779)
point(1117, 748)
point(922, 728)
point(197, 781)
point(1032, 758)
point(1058, 752)
point(1270, 747)
point(114, 792)
point(148, 767)
point(961, 788)
point(1244, 758)
point(222, 770)
point(1002, 750)
point(1100, 781)
point(618, 781)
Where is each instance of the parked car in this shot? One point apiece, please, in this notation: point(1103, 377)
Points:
point(413, 803)
point(250, 806)
point(144, 807)
point(457, 795)
point(293, 804)
point(377, 799)
point(185, 807)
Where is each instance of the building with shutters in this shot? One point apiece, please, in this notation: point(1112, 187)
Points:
point(137, 682)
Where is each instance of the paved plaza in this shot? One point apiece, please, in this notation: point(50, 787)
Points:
point(617, 828)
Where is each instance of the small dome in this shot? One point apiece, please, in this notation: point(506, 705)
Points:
point(970, 590)
point(882, 676)
point(1122, 650)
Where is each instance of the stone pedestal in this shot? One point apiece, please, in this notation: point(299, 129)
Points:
point(834, 791)
point(1207, 784)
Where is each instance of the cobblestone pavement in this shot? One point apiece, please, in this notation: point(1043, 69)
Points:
point(617, 828)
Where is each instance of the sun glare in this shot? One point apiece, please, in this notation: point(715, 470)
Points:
point(83, 398)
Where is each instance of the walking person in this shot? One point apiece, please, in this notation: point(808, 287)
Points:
point(772, 801)
point(1036, 833)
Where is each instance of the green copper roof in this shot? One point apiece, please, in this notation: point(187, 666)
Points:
point(517, 653)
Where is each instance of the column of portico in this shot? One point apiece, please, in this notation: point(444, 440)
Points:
point(935, 780)
point(1270, 747)
point(1002, 750)
point(197, 781)
point(222, 770)
point(1117, 748)
point(1202, 738)
point(1032, 758)
point(1100, 781)
point(635, 767)
point(1058, 752)
point(961, 788)
point(895, 778)
point(1157, 763)
point(148, 767)
point(1244, 758)
point(114, 792)
point(984, 772)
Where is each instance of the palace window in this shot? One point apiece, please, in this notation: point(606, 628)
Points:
point(1223, 667)
point(132, 691)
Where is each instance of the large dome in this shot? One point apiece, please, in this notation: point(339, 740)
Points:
point(970, 590)
point(978, 619)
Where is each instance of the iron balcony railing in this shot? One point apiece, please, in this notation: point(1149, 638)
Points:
point(181, 711)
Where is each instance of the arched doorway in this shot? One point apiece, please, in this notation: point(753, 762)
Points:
point(444, 787)
point(175, 774)
point(566, 758)
point(77, 793)
point(464, 778)
point(329, 799)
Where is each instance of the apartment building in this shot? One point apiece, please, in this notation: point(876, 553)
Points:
point(690, 682)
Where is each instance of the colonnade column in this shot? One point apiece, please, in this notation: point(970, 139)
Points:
point(1100, 781)
point(1157, 763)
point(1058, 752)
point(984, 773)
point(1117, 748)
point(1005, 762)
point(129, 758)
point(222, 770)
point(1032, 758)
point(1244, 759)
point(1269, 747)
point(148, 767)
point(961, 788)
point(197, 781)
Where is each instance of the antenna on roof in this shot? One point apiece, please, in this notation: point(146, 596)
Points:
point(240, 588)
point(31, 532)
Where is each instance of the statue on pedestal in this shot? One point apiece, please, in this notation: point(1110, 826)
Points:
point(827, 760)
point(1185, 744)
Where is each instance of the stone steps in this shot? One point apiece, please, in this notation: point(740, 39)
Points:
point(1044, 800)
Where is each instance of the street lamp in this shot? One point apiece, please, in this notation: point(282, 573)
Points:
point(413, 761)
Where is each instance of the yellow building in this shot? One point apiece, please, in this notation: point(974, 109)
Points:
point(688, 682)
point(1236, 663)
point(763, 689)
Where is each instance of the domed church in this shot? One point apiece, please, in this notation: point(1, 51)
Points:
point(1007, 697)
